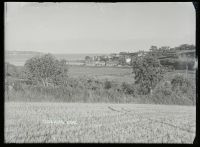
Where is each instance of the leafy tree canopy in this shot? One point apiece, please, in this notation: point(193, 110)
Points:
point(46, 69)
point(148, 72)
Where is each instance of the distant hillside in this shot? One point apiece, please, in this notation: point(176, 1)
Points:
point(18, 58)
point(24, 52)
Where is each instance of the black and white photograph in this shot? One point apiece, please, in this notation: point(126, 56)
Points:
point(96, 72)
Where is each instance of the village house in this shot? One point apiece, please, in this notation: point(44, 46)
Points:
point(114, 59)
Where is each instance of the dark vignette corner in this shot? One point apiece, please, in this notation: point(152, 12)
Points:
point(2, 73)
point(197, 8)
point(2, 8)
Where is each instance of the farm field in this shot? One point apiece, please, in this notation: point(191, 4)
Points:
point(116, 73)
point(104, 123)
point(110, 73)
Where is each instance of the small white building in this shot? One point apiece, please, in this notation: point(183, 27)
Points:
point(128, 60)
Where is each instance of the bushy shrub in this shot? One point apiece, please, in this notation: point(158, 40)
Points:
point(175, 91)
point(179, 90)
point(18, 86)
point(128, 88)
point(179, 82)
point(107, 85)
point(164, 94)
point(183, 86)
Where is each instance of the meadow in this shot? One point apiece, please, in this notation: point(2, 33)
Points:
point(110, 73)
point(118, 74)
point(98, 123)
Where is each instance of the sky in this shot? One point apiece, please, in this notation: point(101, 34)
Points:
point(97, 27)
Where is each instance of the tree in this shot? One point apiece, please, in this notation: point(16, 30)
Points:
point(87, 58)
point(148, 72)
point(60, 76)
point(104, 59)
point(185, 47)
point(153, 48)
point(46, 69)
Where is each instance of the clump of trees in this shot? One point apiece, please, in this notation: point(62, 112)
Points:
point(185, 47)
point(104, 59)
point(181, 47)
point(88, 58)
point(148, 72)
point(46, 70)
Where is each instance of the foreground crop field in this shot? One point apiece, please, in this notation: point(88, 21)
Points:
point(73, 122)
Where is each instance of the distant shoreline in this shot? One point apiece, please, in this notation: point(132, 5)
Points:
point(18, 58)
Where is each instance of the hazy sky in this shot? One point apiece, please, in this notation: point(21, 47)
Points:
point(97, 27)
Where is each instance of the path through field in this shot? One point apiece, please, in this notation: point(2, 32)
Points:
point(104, 123)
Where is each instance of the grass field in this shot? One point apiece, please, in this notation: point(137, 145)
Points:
point(110, 73)
point(116, 73)
point(78, 122)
